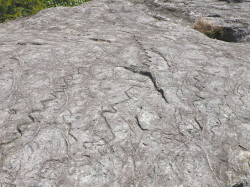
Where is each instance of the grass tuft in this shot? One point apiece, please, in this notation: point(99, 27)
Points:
point(207, 27)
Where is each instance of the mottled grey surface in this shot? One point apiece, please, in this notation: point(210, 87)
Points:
point(232, 15)
point(107, 94)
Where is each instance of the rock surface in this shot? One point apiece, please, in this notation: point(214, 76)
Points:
point(231, 15)
point(108, 94)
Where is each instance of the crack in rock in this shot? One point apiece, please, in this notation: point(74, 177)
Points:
point(139, 124)
point(100, 40)
point(152, 77)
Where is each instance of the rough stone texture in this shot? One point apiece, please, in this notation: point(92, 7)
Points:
point(107, 94)
point(232, 15)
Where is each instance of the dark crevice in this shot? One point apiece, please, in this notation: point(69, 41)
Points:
point(31, 43)
point(19, 131)
point(243, 183)
point(100, 40)
point(161, 91)
point(135, 69)
point(87, 156)
point(73, 137)
point(238, 185)
point(214, 15)
point(227, 34)
point(8, 142)
point(139, 124)
point(243, 148)
point(198, 123)
point(31, 118)
point(35, 43)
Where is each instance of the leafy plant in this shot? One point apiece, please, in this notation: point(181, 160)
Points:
point(11, 9)
point(55, 3)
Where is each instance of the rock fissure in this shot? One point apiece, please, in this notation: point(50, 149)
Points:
point(152, 77)
point(88, 107)
point(139, 124)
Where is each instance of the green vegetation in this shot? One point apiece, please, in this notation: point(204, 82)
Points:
point(54, 3)
point(11, 9)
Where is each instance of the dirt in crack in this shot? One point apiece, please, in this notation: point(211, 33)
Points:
point(135, 69)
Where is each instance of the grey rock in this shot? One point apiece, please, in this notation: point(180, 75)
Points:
point(231, 15)
point(108, 94)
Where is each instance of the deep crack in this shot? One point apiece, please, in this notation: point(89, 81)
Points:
point(238, 185)
point(135, 69)
point(19, 131)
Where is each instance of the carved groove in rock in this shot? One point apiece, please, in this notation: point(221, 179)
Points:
point(115, 93)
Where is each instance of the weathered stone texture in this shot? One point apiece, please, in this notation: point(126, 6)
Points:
point(231, 15)
point(107, 94)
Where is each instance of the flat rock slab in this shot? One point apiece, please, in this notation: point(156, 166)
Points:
point(231, 15)
point(106, 94)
